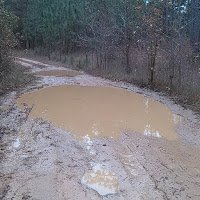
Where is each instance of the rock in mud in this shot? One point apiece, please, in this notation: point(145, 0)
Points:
point(101, 180)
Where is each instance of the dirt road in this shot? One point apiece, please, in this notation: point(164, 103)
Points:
point(42, 162)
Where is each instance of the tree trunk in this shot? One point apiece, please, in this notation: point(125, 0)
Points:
point(172, 65)
point(128, 68)
point(152, 64)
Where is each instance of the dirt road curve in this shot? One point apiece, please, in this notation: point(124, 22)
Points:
point(42, 162)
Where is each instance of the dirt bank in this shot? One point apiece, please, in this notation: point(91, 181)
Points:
point(40, 161)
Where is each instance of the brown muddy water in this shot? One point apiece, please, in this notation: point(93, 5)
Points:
point(101, 111)
point(58, 73)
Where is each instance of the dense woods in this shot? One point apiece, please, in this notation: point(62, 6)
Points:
point(154, 43)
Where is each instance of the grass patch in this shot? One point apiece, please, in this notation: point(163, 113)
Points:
point(16, 78)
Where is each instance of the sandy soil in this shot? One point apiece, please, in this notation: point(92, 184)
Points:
point(42, 162)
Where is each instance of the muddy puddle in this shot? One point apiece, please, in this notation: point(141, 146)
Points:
point(58, 73)
point(101, 111)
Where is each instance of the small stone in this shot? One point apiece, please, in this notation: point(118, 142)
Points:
point(101, 180)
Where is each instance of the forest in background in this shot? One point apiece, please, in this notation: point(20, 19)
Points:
point(152, 43)
point(11, 76)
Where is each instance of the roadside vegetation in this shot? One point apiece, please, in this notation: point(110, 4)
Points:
point(11, 76)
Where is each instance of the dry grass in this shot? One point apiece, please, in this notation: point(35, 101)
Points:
point(16, 78)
